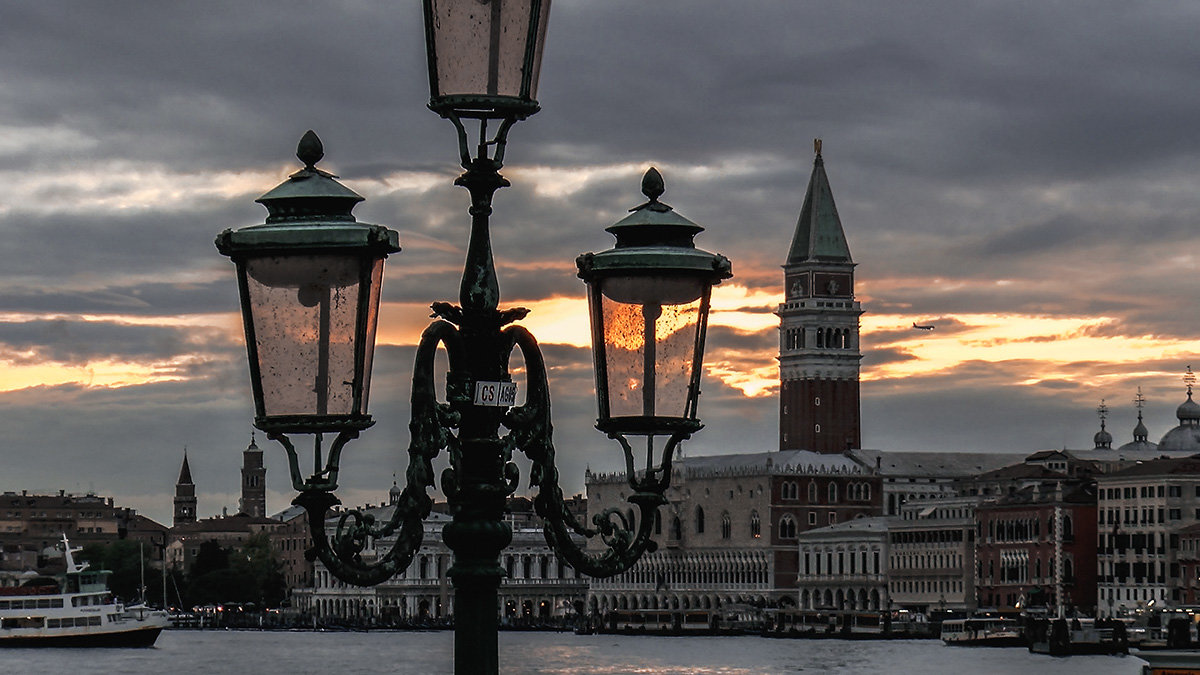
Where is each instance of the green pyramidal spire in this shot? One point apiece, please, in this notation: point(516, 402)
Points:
point(819, 235)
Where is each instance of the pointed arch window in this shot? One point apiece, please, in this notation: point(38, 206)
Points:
point(812, 492)
point(755, 525)
point(699, 520)
point(726, 526)
point(833, 493)
point(787, 527)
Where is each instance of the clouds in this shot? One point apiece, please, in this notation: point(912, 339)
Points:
point(1021, 174)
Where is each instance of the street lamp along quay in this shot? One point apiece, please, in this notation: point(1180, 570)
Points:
point(310, 280)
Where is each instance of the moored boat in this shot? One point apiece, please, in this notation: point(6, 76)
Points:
point(75, 611)
point(1080, 635)
point(982, 631)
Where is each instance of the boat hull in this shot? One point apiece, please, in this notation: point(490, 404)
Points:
point(1005, 641)
point(134, 637)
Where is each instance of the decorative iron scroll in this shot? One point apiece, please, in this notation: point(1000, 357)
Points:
point(430, 428)
point(532, 433)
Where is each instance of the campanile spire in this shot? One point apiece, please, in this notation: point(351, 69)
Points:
point(818, 347)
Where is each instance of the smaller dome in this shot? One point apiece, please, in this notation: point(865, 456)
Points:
point(1140, 432)
point(1138, 446)
point(1103, 439)
point(1188, 410)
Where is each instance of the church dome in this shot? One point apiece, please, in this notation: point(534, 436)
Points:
point(1141, 442)
point(1140, 431)
point(1103, 439)
point(1188, 411)
point(1181, 438)
point(1186, 436)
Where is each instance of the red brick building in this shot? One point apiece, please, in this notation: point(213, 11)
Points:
point(1023, 554)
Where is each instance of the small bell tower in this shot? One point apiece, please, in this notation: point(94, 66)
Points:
point(254, 482)
point(185, 495)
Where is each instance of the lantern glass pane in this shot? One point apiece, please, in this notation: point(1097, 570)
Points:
point(305, 313)
point(650, 330)
point(372, 323)
point(480, 46)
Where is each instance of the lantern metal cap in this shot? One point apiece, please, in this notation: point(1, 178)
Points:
point(310, 210)
point(310, 193)
point(654, 223)
point(654, 238)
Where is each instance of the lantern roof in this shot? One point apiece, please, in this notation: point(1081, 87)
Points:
point(654, 223)
point(654, 238)
point(310, 193)
point(311, 210)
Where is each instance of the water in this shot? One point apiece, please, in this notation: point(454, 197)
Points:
point(417, 653)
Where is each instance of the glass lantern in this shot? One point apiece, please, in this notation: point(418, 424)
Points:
point(310, 280)
point(484, 56)
point(649, 304)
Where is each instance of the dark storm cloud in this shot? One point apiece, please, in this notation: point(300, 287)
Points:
point(1030, 142)
point(78, 342)
point(879, 357)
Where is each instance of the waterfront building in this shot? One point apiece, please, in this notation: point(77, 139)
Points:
point(32, 526)
point(729, 532)
point(290, 541)
point(226, 531)
point(1036, 546)
point(1019, 476)
point(1142, 512)
point(908, 476)
point(1189, 565)
point(538, 587)
point(844, 567)
point(931, 549)
point(818, 335)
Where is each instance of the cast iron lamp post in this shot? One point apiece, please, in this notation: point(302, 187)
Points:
point(310, 279)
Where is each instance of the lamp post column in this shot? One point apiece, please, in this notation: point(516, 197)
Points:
point(475, 485)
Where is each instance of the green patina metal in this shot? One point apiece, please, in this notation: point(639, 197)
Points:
point(819, 235)
point(311, 211)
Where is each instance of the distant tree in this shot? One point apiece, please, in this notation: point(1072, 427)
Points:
point(209, 558)
point(257, 560)
point(249, 574)
point(125, 559)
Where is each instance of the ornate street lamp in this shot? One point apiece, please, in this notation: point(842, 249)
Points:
point(310, 280)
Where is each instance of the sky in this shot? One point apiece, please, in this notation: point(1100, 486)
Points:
point(1022, 175)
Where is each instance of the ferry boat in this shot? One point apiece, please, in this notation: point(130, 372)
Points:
point(982, 631)
point(75, 611)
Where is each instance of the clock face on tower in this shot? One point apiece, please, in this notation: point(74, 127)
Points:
point(836, 285)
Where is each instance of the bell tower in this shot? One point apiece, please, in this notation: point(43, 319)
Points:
point(818, 333)
point(185, 495)
point(254, 482)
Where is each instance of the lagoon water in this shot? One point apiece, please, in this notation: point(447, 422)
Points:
point(428, 653)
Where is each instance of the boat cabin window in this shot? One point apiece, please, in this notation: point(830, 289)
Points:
point(71, 622)
point(32, 603)
point(23, 622)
